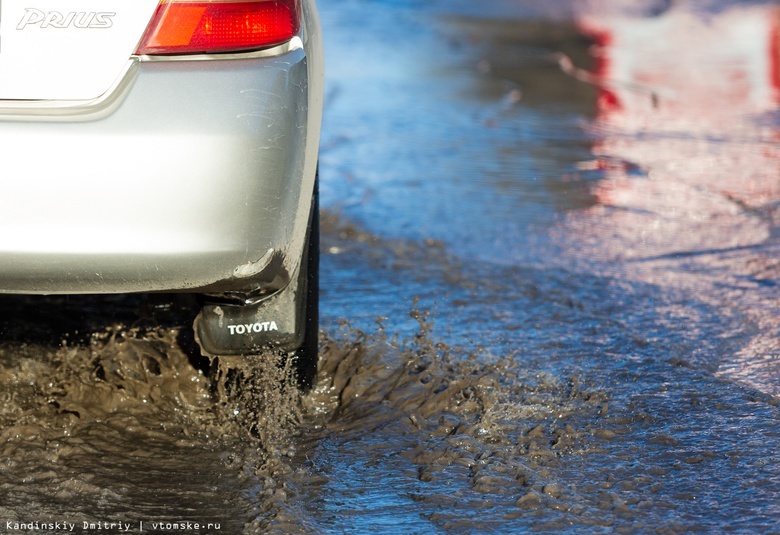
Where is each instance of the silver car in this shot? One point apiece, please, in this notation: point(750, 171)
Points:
point(167, 146)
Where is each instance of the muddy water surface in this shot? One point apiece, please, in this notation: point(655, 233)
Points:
point(549, 297)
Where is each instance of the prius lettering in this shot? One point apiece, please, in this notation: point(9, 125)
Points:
point(74, 19)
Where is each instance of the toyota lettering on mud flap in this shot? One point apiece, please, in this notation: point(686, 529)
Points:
point(259, 327)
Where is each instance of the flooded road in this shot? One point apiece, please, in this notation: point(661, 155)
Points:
point(550, 301)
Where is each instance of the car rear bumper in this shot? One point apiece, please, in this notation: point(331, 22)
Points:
point(199, 179)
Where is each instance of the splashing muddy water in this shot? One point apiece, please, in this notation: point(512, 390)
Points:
point(125, 429)
point(549, 302)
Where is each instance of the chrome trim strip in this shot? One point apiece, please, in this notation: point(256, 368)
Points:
point(293, 44)
point(105, 104)
point(72, 110)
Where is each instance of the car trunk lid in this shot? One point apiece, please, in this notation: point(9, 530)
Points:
point(67, 49)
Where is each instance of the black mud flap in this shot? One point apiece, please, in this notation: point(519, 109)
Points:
point(277, 323)
point(287, 322)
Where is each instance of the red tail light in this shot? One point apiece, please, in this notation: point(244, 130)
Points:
point(185, 27)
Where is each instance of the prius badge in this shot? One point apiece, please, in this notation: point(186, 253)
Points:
point(55, 19)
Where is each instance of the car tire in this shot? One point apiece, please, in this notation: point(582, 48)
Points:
point(305, 359)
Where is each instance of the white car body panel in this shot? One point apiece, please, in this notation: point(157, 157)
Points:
point(72, 50)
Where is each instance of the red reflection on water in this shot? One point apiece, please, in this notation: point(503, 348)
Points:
point(683, 78)
point(688, 61)
point(774, 55)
